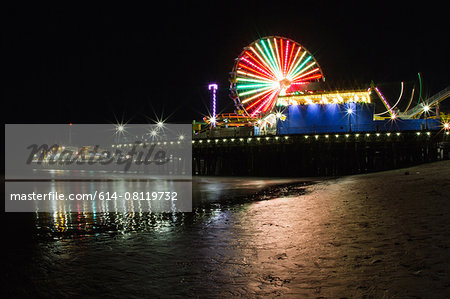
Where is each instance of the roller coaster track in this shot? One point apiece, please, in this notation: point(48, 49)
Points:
point(431, 101)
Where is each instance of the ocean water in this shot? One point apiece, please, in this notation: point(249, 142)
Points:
point(63, 254)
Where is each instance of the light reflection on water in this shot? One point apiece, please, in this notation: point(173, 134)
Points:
point(142, 254)
point(211, 197)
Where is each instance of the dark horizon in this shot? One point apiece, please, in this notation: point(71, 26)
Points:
point(95, 64)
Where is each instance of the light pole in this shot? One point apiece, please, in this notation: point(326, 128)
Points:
point(350, 112)
point(120, 128)
point(426, 108)
point(70, 133)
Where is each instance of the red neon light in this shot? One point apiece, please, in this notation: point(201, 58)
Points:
point(260, 99)
point(269, 103)
point(305, 74)
point(263, 66)
point(308, 78)
point(269, 100)
point(285, 58)
point(278, 54)
point(293, 60)
point(281, 55)
point(257, 67)
point(312, 77)
point(253, 70)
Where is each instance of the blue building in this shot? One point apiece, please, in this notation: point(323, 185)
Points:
point(345, 117)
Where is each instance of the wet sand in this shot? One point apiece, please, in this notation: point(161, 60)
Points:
point(383, 235)
point(380, 235)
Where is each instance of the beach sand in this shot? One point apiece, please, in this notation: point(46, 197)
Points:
point(379, 235)
point(382, 235)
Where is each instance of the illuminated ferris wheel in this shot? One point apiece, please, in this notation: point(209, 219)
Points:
point(270, 67)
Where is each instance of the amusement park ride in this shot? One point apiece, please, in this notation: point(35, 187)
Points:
point(274, 74)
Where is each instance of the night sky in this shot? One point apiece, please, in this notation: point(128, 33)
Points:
point(95, 64)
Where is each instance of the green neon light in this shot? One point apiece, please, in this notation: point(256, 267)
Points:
point(420, 93)
point(263, 59)
point(295, 64)
point(299, 68)
point(297, 75)
point(250, 80)
point(266, 60)
point(420, 85)
point(268, 55)
point(255, 91)
point(253, 85)
point(273, 56)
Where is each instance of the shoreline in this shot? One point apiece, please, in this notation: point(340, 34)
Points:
point(383, 234)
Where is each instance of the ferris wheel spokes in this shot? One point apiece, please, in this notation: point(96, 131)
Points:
point(270, 67)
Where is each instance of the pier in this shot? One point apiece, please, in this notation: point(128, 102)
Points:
point(317, 154)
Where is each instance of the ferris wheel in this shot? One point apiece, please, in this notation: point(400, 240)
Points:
point(270, 67)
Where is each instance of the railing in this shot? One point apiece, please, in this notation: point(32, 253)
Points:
point(435, 99)
point(376, 126)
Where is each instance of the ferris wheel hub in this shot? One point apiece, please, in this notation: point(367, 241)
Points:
point(285, 83)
